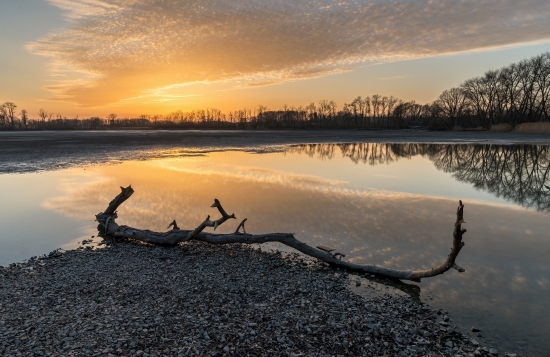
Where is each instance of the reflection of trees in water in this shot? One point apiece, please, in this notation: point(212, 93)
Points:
point(366, 153)
point(514, 172)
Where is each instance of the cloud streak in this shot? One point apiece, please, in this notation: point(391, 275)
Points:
point(124, 48)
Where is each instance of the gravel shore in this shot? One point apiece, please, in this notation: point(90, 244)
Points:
point(203, 300)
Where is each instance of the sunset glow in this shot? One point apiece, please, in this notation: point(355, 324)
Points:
point(274, 178)
point(150, 56)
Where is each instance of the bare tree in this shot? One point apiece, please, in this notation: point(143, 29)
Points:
point(8, 108)
point(356, 108)
point(333, 110)
point(112, 118)
point(311, 110)
point(157, 117)
point(324, 112)
point(24, 118)
point(452, 103)
point(392, 101)
point(367, 106)
point(384, 105)
point(3, 117)
point(43, 115)
point(375, 106)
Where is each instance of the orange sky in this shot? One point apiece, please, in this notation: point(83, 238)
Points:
point(94, 57)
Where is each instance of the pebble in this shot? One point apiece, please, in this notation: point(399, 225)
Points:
point(196, 299)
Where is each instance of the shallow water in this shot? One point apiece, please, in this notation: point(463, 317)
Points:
point(387, 204)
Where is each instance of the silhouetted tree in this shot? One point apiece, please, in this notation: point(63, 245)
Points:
point(452, 103)
point(43, 115)
point(24, 118)
point(8, 110)
point(112, 118)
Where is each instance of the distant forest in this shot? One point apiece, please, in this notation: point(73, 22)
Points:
point(512, 95)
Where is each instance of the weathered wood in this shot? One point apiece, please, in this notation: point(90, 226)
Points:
point(125, 193)
point(176, 235)
point(325, 248)
point(241, 226)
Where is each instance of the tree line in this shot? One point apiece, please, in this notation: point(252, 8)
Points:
point(512, 95)
point(518, 93)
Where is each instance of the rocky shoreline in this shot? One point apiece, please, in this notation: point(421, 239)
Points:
point(202, 300)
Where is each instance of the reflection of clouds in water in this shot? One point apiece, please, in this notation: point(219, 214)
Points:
point(256, 174)
point(357, 220)
point(77, 203)
point(133, 48)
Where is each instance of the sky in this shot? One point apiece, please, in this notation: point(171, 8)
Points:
point(133, 57)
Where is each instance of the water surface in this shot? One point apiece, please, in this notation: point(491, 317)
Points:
point(387, 204)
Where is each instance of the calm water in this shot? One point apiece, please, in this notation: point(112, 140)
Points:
point(387, 204)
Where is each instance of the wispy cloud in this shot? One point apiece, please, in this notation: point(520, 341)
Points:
point(81, 8)
point(127, 47)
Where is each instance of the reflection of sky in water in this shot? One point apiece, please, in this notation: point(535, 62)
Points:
point(399, 215)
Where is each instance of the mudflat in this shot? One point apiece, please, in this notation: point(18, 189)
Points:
point(50, 150)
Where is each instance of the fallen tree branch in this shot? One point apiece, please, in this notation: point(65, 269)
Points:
point(107, 223)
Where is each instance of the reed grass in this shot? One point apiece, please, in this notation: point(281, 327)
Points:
point(533, 128)
point(501, 128)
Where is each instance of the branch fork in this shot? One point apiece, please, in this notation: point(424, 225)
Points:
point(241, 225)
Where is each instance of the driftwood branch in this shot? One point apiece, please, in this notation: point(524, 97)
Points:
point(241, 225)
point(177, 235)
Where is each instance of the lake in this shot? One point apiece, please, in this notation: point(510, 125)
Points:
point(387, 204)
